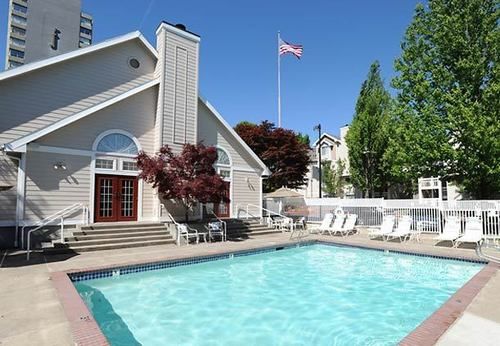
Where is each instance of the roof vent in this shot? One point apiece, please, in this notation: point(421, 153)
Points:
point(180, 26)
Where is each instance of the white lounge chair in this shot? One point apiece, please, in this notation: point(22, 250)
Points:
point(336, 226)
point(451, 230)
point(325, 224)
point(349, 224)
point(473, 232)
point(386, 227)
point(402, 231)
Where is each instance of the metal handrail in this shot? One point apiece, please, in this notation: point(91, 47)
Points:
point(48, 218)
point(480, 254)
point(56, 216)
point(264, 209)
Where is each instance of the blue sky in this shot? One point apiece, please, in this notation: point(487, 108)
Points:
point(238, 50)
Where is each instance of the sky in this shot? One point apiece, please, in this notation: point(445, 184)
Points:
point(238, 52)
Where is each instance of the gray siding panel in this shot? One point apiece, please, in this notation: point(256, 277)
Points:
point(48, 190)
point(63, 89)
point(135, 114)
point(8, 177)
point(246, 190)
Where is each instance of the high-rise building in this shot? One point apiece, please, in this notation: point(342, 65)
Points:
point(42, 29)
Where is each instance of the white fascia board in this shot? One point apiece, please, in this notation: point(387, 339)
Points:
point(329, 136)
point(21, 142)
point(76, 53)
point(265, 170)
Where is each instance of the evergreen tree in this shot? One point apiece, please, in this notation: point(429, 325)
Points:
point(367, 135)
point(447, 120)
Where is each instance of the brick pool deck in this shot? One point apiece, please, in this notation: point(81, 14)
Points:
point(34, 302)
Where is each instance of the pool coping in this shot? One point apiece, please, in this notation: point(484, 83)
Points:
point(86, 331)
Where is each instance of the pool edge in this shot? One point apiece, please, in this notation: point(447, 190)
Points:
point(86, 331)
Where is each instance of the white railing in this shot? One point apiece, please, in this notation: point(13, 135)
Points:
point(430, 214)
point(260, 215)
point(58, 216)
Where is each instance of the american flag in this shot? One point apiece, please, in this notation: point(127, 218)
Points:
point(285, 47)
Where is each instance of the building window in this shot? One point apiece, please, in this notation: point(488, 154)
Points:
point(224, 173)
point(129, 166)
point(223, 157)
point(104, 164)
point(13, 64)
point(20, 8)
point(16, 53)
point(17, 42)
point(16, 30)
point(85, 31)
point(85, 41)
point(85, 21)
point(325, 152)
point(117, 143)
point(18, 19)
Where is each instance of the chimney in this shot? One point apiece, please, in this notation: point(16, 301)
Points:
point(177, 69)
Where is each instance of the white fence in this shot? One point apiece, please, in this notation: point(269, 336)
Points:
point(430, 214)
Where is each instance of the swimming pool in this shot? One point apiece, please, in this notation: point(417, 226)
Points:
point(317, 294)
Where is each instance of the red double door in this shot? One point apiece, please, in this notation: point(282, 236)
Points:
point(222, 209)
point(115, 198)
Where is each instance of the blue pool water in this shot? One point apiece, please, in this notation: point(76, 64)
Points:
point(312, 295)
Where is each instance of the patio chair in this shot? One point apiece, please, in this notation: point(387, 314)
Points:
point(299, 227)
point(473, 232)
point(451, 231)
point(216, 229)
point(286, 224)
point(325, 224)
point(386, 227)
point(402, 231)
point(336, 226)
point(349, 224)
point(186, 232)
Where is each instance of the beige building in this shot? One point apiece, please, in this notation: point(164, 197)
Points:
point(83, 116)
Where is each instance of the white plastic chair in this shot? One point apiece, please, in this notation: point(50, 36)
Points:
point(337, 225)
point(325, 224)
point(349, 224)
point(386, 227)
point(186, 232)
point(451, 231)
point(402, 231)
point(473, 232)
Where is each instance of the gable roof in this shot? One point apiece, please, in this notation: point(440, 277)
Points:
point(76, 53)
point(328, 136)
point(266, 171)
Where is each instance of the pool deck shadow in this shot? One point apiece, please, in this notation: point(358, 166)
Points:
point(32, 310)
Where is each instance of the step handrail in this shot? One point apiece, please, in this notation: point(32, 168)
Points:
point(56, 216)
point(480, 254)
point(42, 221)
point(264, 209)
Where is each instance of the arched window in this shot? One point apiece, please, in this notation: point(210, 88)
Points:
point(223, 157)
point(117, 143)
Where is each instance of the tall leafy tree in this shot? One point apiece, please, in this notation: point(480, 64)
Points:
point(367, 135)
point(188, 177)
point(333, 181)
point(447, 120)
point(281, 151)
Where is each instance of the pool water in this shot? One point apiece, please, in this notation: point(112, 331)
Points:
point(312, 295)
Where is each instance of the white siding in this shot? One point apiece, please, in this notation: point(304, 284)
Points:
point(135, 114)
point(148, 196)
point(39, 98)
point(212, 132)
point(246, 190)
point(8, 177)
point(49, 190)
point(179, 61)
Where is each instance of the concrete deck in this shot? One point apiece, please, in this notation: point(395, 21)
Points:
point(31, 312)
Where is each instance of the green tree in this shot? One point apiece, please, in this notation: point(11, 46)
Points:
point(332, 178)
point(447, 121)
point(304, 138)
point(367, 135)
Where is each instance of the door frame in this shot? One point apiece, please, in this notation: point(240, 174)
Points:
point(228, 204)
point(117, 178)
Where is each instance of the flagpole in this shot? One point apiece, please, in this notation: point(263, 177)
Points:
point(279, 82)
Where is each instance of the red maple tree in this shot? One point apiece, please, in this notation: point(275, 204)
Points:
point(189, 176)
point(282, 152)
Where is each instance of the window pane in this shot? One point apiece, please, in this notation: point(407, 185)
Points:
point(16, 30)
point(20, 8)
point(222, 157)
point(104, 164)
point(16, 53)
point(129, 166)
point(224, 173)
point(86, 31)
point(17, 42)
point(18, 19)
point(117, 143)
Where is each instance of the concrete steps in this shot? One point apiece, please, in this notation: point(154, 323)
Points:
point(108, 236)
point(238, 229)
